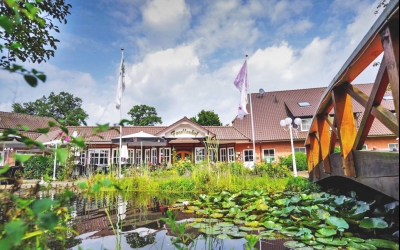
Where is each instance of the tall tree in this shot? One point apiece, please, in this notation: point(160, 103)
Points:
point(143, 115)
point(63, 106)
point(207, 118)
point(28, 29)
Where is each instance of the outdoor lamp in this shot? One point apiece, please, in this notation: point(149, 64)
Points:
point(288, 122)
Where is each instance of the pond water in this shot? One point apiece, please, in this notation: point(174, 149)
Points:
point(136, 219)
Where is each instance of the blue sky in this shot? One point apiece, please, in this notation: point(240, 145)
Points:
point(183, 56)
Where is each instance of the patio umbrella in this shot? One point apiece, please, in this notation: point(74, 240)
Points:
point(56, 143)
point(141, 139)
point(9, 144)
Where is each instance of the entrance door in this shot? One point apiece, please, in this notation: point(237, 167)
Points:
point(182, 154)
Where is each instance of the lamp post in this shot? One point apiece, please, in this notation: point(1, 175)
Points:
point(288, 122)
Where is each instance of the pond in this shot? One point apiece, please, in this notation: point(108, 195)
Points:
point(232, 221)
point(138, 224)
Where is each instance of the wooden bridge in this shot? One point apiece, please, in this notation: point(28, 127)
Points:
point(377, 170)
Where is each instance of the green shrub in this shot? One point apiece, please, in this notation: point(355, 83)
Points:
point(301, 184)
point(301, 161)
point(183, 166)
point(272, 170)
point(39, 166)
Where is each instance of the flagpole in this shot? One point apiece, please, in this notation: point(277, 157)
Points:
point(252, 118)
point(120, 118)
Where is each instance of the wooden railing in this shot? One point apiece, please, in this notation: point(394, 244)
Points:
point(325, 132)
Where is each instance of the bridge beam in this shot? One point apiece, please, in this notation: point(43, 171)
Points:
point(345, 122)
point(390, 43)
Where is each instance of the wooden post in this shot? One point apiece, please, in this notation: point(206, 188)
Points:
point(314, 145)
point(390, 43)
point(344, 118)
point(325, 139)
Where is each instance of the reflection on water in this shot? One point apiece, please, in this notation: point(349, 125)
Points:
point(136, 224)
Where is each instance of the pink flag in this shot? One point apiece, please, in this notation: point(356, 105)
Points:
point(241, 84)
point(241, 77)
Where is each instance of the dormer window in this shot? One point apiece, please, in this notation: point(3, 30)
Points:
point(388, 97)
point(304, 104)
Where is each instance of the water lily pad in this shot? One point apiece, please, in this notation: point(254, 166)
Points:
point(223, 236)
point(216, 215)
point(262, 207)
point(251, 224)
point(326, 232)
point(362, 246)
point(198, 225)
point(194, 208)
point(383, 243)
point(187, 211)
point(210, 231)
point(246, 229)
point(210, 220)
point(373, 223)
point(338, 222)
point(224, 224)
point(320, 214)
point(251, 217)
point(332, 241)
point(287, 210)
point(293, 244)
point(269, 224)
point(238, 234)
point(239, 222)
point(354, 239)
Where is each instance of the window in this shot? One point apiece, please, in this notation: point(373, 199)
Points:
point(154, 156)
point(165, 155)
point(99, 156)
point(300, 149)
point(138, 157)
point(200, 153)
point(231, 154)
point(304, 104)
point(269, 155)
point(82, 158)
point(146, 156)
point(248, 155)
point(222, 153)
point(305, 124)
point(393, 146)
point(115, 156)
point(1, 158)
point(212, 156)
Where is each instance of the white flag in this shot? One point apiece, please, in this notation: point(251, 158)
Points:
point(242, 84)
point(121, 82)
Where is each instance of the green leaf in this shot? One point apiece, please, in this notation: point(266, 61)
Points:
point(337, 222)
point(43, 205)
point(31, 80)
point(16, 230)
point(62, 154)
point(373, 223)
point(6, 23)
point(4, 170)
point(327, 231)
point(42, 130)
point(106, 182)
point(41, 77)
point(82, 185)
point(48, 221)
point(332, 242)
point(22, 158)
point(383, 243)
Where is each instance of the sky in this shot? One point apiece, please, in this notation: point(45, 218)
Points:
point(182, 57)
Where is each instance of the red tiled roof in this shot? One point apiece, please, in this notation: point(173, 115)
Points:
point(226, 133)
point(15, 121)
point(270, 109)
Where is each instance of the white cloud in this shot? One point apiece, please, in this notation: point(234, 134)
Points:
point(165, 20)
